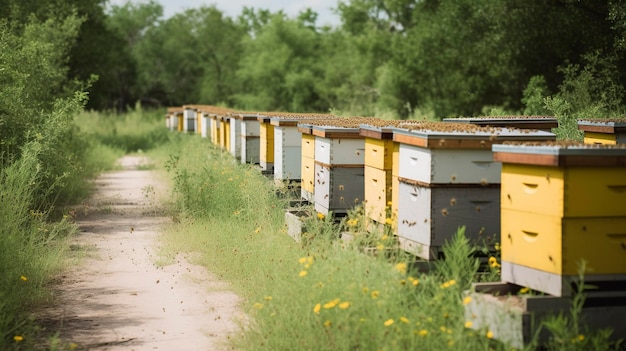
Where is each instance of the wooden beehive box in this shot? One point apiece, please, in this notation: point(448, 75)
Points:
point(339, 164)
point(604, 131)
point(215, 128)
point(266, 148)
point(447, 179)
point(515, 319)
point(428, 216)
point(172, 117)
point(248, 136)
point(307, 173)
point(545, 123)
point(189, 119)
point(380, 169)
point(288, 143)
point(562, 202)
point(235, 139)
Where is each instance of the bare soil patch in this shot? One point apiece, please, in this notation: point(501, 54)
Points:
point(117, 298)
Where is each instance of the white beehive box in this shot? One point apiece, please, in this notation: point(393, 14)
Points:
point(452, 153)
point(189, 120)
point(427, 217)
point(235, 138)
point(337, 189)
point(249, 136)
point(340, 151)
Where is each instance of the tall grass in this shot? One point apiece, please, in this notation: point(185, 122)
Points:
point(322, 293)
point(31, 249)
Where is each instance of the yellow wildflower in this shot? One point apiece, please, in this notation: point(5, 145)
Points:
point(414, 281)
point(388, 221)
point(344, 305)
point(388, 322)
point(365, 290)
point(303, 273)
point(320, 215)
point(524, 290)
point(423, 332)
point(493, 262)
point(268, 298)
point(404, 320)
point(302, 260)
point(18, 338)
point(384, 237)
point(257, 230)
point(236, 213)
point(375, 294)
point(23, 278)
point(448, 284)
point(489, 334)
point(317, 308)
point(401, 267)
point(467, 300)
point(352, 222)
point(73, 346)
point(380, 246)
point(331, 304)
point(581, 337)
point(468, 324)
point(328, 324)
point(497, 246)
point(258, 305)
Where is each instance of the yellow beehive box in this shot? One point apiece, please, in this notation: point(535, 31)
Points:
point(378, 189)
point(308, 145)
point(224, 133)
point(604, 131)
point(215, 129)
point(545, 123)
point(564, 191)
point(562, 203)
point(266, 156)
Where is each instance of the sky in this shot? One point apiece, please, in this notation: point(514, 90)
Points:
point(232, 8)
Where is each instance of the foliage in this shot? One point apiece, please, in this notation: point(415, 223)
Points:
point(326, 293)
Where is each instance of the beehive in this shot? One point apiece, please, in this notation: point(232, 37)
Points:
point(248, 136)
point(307, 173)
point(339, 153)
point(172, 117)
point(288, 143)
point(189, 119)
point(266, 148)
point(215, 128)
point(378, 170)
point(545, 123)
point(604, 131)
point(235, 139)
point(447, 179)
point(562, 203)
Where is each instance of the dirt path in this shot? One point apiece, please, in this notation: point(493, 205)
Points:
point(117, 298)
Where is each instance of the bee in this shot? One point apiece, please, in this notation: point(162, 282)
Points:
point(341, 187)
point(444, 212)
point(452, 201)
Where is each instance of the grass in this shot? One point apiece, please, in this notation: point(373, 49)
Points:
point(324, 293)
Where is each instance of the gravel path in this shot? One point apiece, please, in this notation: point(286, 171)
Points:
point(117, 298)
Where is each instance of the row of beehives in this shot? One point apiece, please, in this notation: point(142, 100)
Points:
point(554, 204)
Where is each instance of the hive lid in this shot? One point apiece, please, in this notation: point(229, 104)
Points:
point(292, 119)
point(609, 126)
point(382, 129)
point(561, 154)
point(448, 135)
point(244, 115)
point(523, 122)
